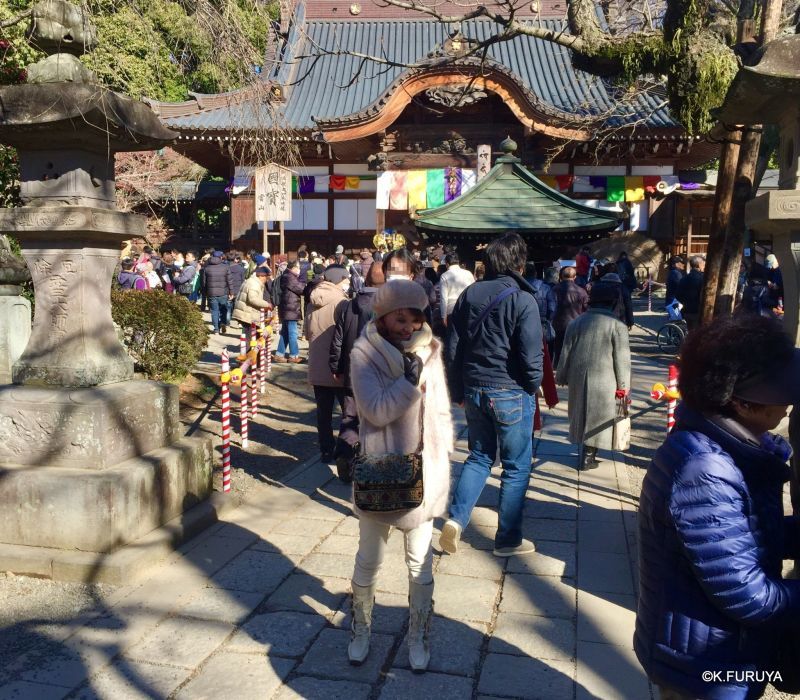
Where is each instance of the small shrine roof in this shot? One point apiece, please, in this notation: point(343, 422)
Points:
point(329, 89)
point(511, 198)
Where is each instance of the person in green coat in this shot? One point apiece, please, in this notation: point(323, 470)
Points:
point(595, 363)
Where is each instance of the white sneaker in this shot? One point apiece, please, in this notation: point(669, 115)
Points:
point(524, 547)
point(451, 534)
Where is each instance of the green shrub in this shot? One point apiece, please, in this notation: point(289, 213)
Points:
point(164, 333)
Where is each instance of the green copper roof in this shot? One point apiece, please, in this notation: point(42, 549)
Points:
point(510, 198)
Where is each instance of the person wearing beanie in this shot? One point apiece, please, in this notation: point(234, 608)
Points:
point(400, 392)
point(595, 363)
point(350, 319)
point(328, 389)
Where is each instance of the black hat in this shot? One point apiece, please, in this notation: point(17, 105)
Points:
point(775, 386)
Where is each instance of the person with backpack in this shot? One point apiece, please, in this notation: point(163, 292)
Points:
point(350, 319)
point(128, 279)
point(546, 300)
point(185, 281)
point(496, 372)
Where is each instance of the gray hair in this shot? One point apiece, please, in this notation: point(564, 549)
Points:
point(696, 260)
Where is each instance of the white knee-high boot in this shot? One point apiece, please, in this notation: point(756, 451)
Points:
point(420, 612)
point(361, 613)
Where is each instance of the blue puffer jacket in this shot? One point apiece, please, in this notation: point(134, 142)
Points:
point(712, 538)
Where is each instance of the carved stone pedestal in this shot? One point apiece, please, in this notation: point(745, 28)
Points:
point(71, 253)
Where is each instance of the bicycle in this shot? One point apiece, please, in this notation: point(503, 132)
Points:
point(671, 335)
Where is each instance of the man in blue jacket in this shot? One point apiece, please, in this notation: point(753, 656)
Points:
point(496, 372)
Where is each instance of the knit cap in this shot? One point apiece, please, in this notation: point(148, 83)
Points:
point(336, 273)
point(399, 294)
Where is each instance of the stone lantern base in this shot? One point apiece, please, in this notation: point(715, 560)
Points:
point(92, 470)
point(90, 459)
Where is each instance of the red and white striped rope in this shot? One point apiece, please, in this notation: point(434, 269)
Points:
point(226, 422)
point(254, 393)
point(244, 414)
point(268, 345)
point(672, 385)
point(262, 357)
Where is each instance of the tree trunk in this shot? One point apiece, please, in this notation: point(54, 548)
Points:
point(772, 20)
point(743, 190)
point(724, 251)
point(719, 223)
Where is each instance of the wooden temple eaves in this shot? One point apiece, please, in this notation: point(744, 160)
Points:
point(533, 113)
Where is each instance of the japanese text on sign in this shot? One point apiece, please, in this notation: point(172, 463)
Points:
point(484, 160)
point(273, 193)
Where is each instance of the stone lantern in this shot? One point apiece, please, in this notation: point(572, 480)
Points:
point(90, 459)
point(769, 93)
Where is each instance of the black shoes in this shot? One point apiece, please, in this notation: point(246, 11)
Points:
point(589, 458)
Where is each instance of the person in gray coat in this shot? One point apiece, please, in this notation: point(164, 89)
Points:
point(595, 364)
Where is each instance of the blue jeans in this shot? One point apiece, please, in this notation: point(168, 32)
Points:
point(495, 417)
point(219, 312)
point(288, 339)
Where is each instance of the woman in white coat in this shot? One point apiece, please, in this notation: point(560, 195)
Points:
point(399, 389)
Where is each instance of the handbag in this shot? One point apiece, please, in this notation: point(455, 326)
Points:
point(548, 332)
point(390, 483)
point(621, 440)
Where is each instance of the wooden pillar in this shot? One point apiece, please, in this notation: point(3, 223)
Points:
point(719, 222)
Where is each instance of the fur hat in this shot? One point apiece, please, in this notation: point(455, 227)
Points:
point(399, 294)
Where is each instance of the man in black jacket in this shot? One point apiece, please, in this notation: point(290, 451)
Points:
point(690, 289)
point(496, 372)
point(218, 290)
point(290, 312)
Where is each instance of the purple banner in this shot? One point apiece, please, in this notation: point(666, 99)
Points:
point(452, 184)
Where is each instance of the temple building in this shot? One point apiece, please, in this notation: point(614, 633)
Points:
point(380, 142)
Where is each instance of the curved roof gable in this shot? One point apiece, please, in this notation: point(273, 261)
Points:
point(339, 87)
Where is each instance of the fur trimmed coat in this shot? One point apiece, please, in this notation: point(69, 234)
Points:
point(389, 410)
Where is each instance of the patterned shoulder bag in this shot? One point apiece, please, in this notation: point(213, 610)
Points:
point(390, 483)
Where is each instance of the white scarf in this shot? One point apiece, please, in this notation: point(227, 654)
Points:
point(419, 344)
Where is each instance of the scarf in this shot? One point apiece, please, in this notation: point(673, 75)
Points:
point(419, 344)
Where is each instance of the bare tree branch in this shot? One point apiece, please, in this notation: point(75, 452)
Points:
point(11, 21)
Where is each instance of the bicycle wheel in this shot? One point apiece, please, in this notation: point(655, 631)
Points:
point(669, 338)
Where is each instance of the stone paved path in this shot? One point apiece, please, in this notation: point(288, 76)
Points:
point(256, 606)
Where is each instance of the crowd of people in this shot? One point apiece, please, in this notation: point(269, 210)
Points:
point(395, 339)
